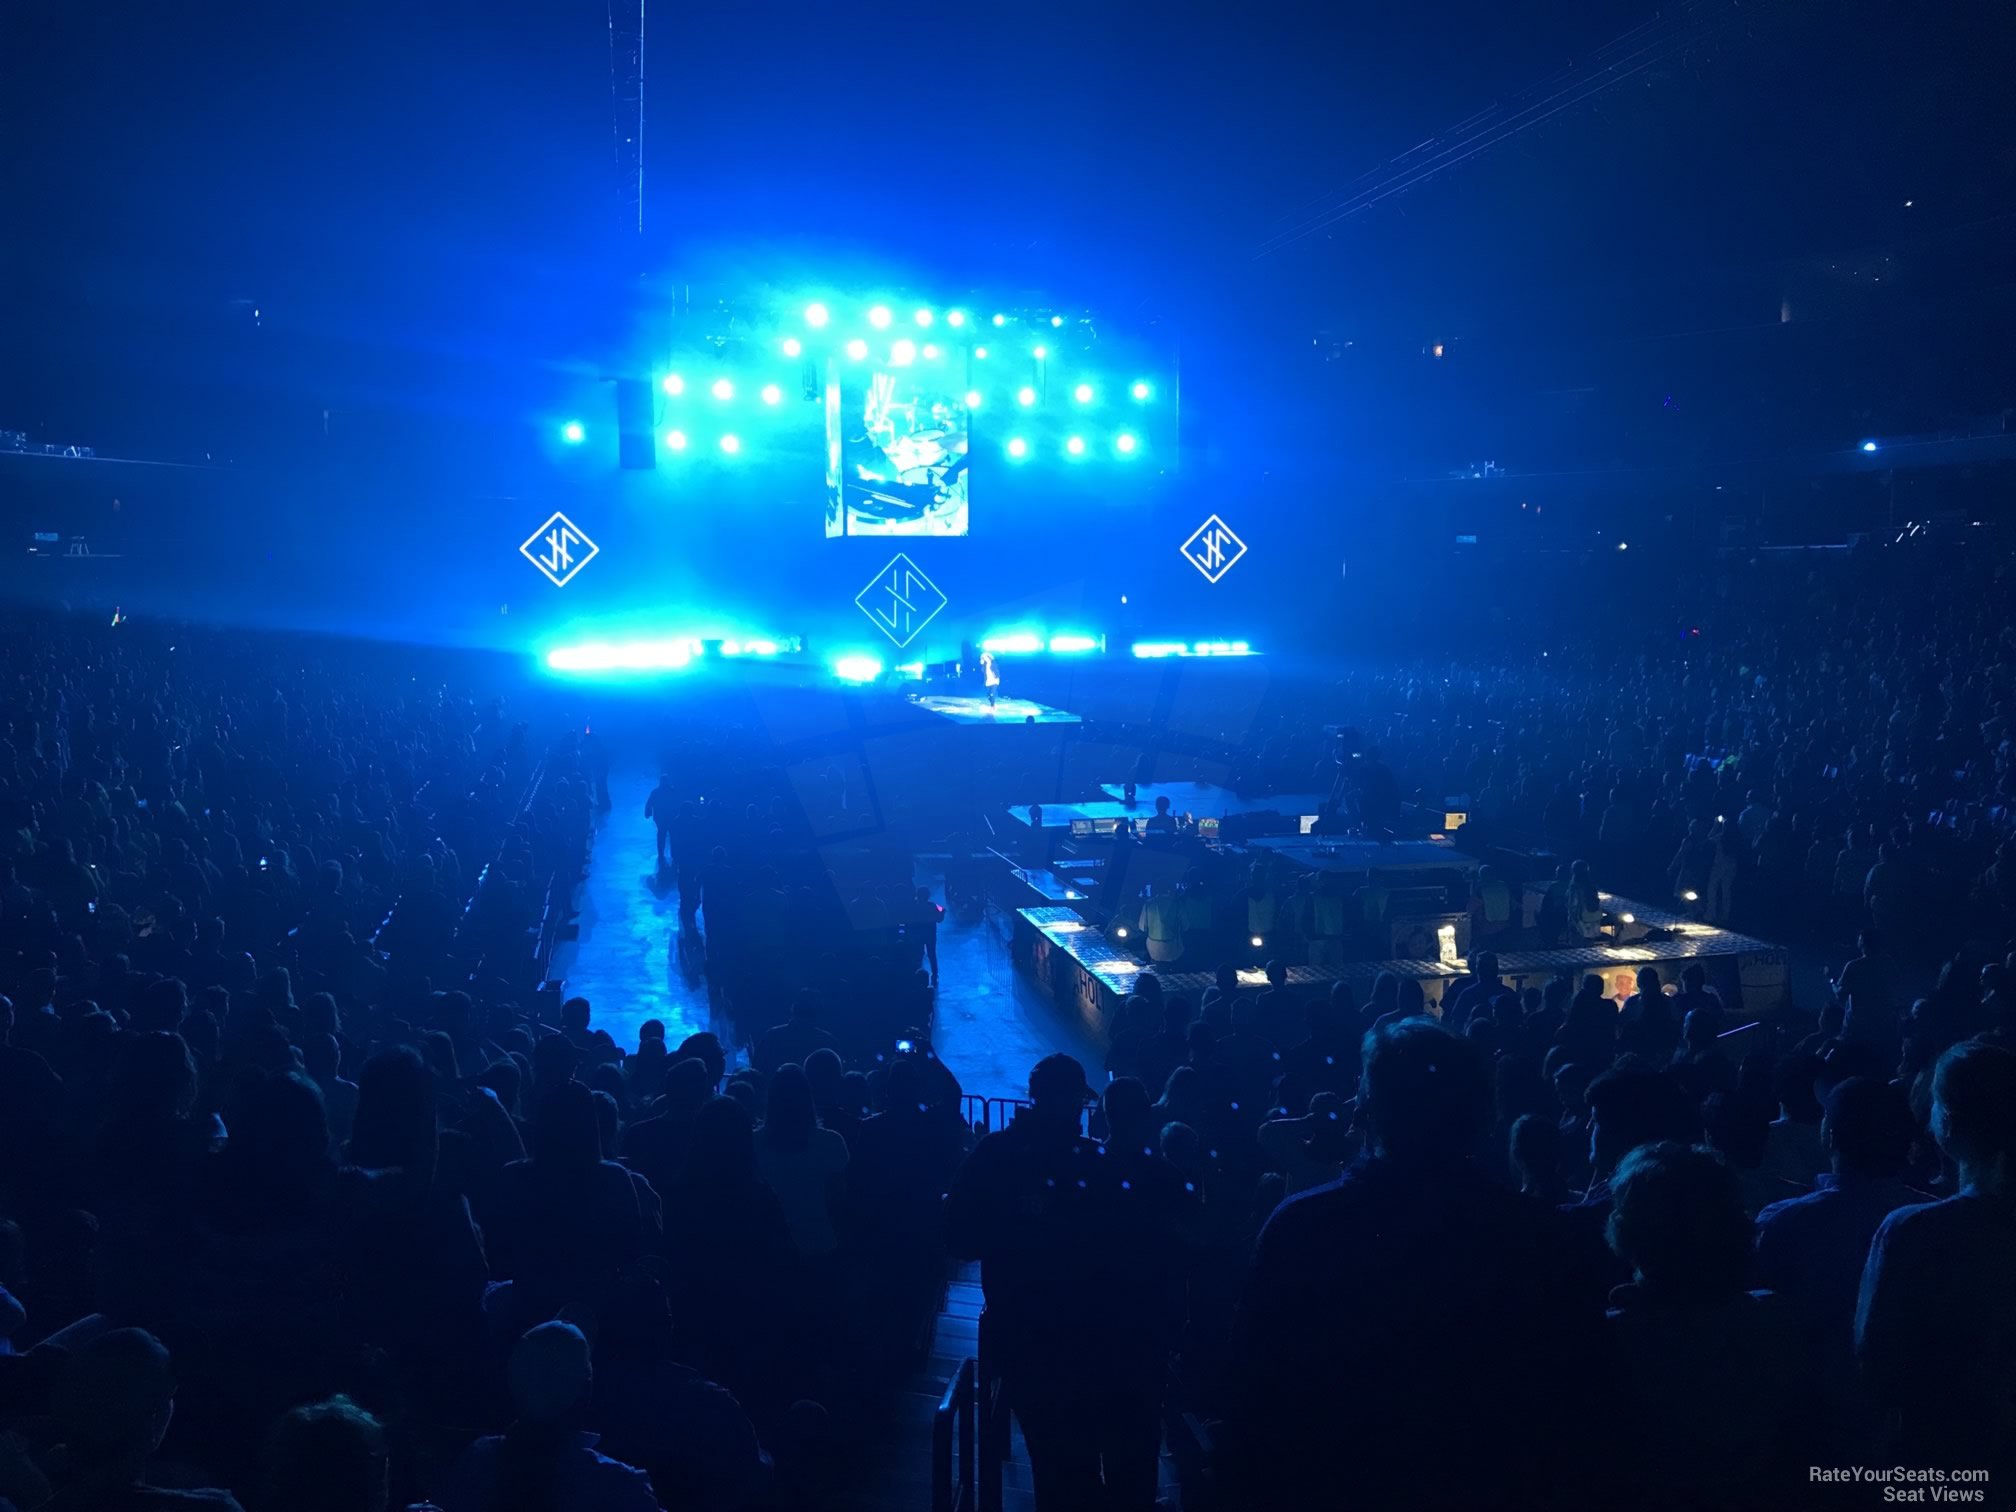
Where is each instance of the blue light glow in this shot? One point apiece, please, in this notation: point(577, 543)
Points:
point(1056, 320)
point(1025, 395)
point(1074, 645)
point(772, 394)
point(923, 317)
point(676, 439)
point(1153, 649)
point(1125, 444)
point(573, 433)
point(858, 669)
point(1082, 393)
point(1022, 642)
point(1018, 447)
point(972, 399)
point(879, 317)
point(857, 349)
point(1075, 446)
point(793, 346)
point(624, 656)
point(816, 315)
point(930, 352)
point(1141, 391)
point(723, 389)
point(1000, 320)
point(673, 384)
point(1041, 353)
point(903, 353)
point(731, 444)
point(1868, 446)
point(955, 318)
point(981, 353)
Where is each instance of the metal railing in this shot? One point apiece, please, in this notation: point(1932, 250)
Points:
point(955, 1433)
point(990, 1115)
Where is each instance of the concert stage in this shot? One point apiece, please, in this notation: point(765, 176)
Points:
point(1202, 799)
point(1074, 963)
point(964, 709)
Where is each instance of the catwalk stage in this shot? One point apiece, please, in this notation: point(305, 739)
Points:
point(964, 709)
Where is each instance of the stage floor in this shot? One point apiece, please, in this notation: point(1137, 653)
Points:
point(967, 710)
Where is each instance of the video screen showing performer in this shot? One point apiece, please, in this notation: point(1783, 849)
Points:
point(898, 447)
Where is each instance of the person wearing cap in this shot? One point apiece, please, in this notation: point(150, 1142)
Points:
point(544, 1459)
point(1071, 1242)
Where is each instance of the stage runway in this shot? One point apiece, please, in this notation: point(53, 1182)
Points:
point(967, 710)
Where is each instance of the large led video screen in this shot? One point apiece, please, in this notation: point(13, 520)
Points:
point(898, 448)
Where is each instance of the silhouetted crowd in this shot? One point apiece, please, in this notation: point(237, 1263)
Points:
point(312, 1198)
point(1809, 745)
point(1539, 1253)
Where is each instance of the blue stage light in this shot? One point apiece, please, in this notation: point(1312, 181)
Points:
point(903, 353)
point(573, 433)
point(1868, 446)
point(858, 669)
point(1073, 645)
point(1082, 393)
point(1021, 643)
point(793, 346)
point(857, 349)
point(1153, 649)
point(1000, 320)
point(1075, 446)
point(1056, 320)
point(955, 318)
point(723, 389)
point(1141, 391)
point(879, 317)
point(676, 440)
point(816, 315)
point(1125, 443)
point(930, 352)
point(673, 384)
point(772, 394)
point(1041, 353)
point(623, 656)
point(731, 444)
point(1025, 395)
point(981, 353)
point(972, 399)
point(923, 317)
point(1018, 447)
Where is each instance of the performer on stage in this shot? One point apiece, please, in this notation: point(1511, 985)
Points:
point(992, 674)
